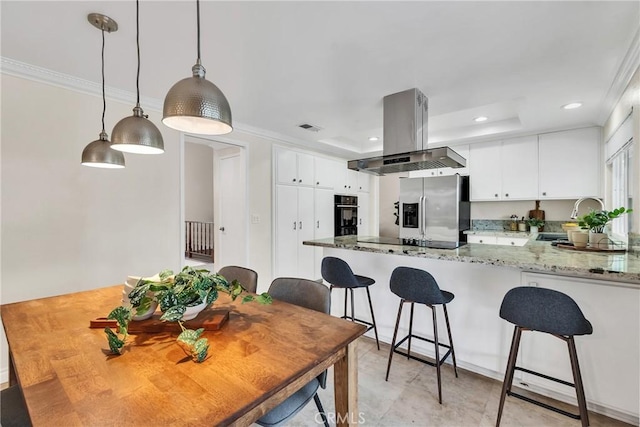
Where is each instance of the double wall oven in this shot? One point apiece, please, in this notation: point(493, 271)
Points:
point(346, 215)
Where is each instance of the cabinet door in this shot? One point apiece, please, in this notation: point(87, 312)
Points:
point(570, 165)
point(324, 173)
point(485, 171)
point(306, 254)
point(324, 218)
point(286, 247)
point(364, 182)
point(351, 184)
point(286, 166)
point(306, 169)
point(364, 223)
point(520, 168)
point(339, 171)
point(608, 358)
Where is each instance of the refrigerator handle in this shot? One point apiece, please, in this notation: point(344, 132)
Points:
point(421, 216)
point(424, 216)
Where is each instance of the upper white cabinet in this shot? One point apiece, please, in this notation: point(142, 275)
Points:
point(325, 172)
point(570, 164)
point(364, 182)
point(294, 168)
point(504, 170)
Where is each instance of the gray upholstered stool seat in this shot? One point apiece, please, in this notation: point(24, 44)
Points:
point(13, 412)
point(417, 286)
point(544, 310)
point(338, 274)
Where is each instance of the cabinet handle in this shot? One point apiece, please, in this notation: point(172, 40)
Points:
point(361, 188)
point(345, 186)
point(360, 221)
point(506, 195)
point(221, 229)
point(495, 195)
point(544, 193)
point(480, 240)
point(294, 225)
point(300, 225)
point(512, 243)
point(318, 224)
point(433, 173)
point(440, 172)
point(300, 181)
point(294, 180)
point(318, 183)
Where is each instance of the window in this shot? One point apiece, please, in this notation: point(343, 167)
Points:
point(620, 171)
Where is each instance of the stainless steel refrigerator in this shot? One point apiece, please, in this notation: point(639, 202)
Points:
point(434, 212)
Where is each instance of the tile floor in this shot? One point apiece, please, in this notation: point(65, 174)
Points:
point(410, 397)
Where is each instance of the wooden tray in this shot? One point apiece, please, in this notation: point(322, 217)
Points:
point(588, 249)
point(210, 320)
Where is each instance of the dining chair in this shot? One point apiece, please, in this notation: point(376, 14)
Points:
point(314, 296)
point(13, 411)
point(245, 276)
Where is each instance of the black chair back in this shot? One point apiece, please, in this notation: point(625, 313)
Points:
point(245, 276)
point(544, 310)
point(338, 273)
point(416, 285)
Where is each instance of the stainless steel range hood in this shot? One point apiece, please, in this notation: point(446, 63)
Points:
point(405, 139)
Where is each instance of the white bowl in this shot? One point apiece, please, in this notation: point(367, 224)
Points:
point(580, 238)
point(192, 312)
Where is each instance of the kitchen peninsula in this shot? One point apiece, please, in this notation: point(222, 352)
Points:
point(605, 286)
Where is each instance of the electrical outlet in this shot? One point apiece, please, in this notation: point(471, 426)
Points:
point(255, 219)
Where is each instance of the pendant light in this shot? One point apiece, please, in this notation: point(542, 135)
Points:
point(137, 134)
point(99, 153)
point(196, 105)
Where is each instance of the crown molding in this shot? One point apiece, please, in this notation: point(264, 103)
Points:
point(629, 65)
point(23, 70)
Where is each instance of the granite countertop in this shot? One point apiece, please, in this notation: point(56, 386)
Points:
point(536, 256)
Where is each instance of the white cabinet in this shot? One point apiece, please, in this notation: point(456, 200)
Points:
point(294, 168)
point(294, 224)
point(504, 170)
point(483, 240)
point(324, 220)
point(364, 215)
point(325, 173)
point(608, 358)
point(364, 182)
point(570, 164)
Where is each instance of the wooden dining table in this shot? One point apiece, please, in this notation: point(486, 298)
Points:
point(259, 357)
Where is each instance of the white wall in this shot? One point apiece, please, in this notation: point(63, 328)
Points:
point(67, 227)
point(198, 182)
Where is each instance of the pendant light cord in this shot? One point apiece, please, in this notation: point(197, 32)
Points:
point(104, 100)
point(138, 45)
point(198, 25)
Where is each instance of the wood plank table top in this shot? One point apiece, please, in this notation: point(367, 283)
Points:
point(261, 355)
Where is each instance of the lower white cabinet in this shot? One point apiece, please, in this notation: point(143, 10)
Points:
point(498, 240)
point(483, 240)
point(608, 358)
point(294, 224)
point(364, 215)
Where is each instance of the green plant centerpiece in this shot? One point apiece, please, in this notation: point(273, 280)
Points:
point(174, 293)
point(596, 221)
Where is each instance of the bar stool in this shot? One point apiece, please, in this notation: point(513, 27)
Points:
point(418, 286)
point(339, 275)
point(551, 312)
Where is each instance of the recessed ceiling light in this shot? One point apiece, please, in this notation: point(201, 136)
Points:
point(481, 119)
point(373, 138)
point(572, 105)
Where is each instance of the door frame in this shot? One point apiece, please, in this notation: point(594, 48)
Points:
point(244, 155)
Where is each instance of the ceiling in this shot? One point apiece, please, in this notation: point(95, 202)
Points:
point(329, 64)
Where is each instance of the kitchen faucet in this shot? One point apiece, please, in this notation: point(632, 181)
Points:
point(574, 213)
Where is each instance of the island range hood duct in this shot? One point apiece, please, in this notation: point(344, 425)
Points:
point(405, 139)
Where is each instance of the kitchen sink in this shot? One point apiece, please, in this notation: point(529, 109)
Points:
point(550, 237)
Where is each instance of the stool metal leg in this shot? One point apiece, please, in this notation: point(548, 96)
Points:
point(353, 312)
point(346, 291)
point(435, 338)
point(508, 375)
point(373, 318)
point(393, 340)
point(410, 332)
point(453, 352)
point(577, 379)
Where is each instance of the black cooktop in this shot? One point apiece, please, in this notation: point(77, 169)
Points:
point(411, 242)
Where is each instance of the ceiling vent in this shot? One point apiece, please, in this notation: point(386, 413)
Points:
point(311, 128)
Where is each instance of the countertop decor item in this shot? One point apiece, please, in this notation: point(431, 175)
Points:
point(196, 105)
point(99, 154)
point(137, 134)
point(179, 297)
point(596, 221)
point(535, 224)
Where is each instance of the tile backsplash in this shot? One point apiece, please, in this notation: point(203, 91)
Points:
point(505, 225)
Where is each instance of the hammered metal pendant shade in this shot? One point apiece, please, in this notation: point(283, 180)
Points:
point(195, 105)
point(98, 154)
point(137, 134)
